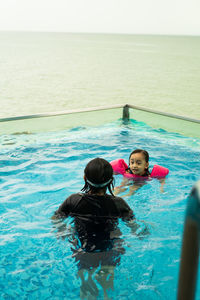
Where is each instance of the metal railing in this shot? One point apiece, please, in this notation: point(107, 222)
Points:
point(190, 247)
point(60, 113)
point(153, 111)
point(125, 114)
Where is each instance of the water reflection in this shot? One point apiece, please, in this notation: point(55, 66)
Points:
point(97, 250)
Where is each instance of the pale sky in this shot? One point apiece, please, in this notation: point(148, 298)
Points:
point(105, 16)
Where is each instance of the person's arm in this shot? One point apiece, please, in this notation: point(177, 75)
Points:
point(134, 187)
point(122, 187)
point(162, 183)
point(64, 210)
point(59, 227)
point(140, 231)
point(58, 218)
point(130, 220)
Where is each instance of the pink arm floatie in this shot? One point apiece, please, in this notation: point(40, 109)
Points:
point(159, 171)
point(119, 167)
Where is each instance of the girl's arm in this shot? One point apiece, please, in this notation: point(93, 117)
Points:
point(134, 187)
point(162, 183)
point(122, 187)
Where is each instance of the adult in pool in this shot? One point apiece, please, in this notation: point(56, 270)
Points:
point(96, 237)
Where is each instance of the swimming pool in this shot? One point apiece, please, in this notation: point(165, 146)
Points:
point(38, 171)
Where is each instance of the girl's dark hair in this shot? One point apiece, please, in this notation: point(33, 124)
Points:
point(99, 175)
point(144, 152)
point(146, 157)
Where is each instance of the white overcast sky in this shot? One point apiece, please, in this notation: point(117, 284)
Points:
point(106, 16)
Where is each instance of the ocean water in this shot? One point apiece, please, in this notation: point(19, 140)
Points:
point(45, 72)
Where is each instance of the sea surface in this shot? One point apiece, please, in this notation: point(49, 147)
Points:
point(48, 72)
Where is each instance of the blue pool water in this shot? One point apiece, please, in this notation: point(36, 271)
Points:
point(38, 171)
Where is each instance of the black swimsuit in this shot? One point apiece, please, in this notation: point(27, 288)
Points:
point(96, 238)
point(95, 218)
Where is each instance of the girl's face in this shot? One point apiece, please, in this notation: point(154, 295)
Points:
point(138, 164)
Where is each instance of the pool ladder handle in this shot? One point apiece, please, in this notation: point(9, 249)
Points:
point(190, 248)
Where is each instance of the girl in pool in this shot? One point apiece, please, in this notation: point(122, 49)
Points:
point(138, 170)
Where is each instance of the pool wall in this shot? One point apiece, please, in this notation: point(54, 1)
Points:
point(98, 116)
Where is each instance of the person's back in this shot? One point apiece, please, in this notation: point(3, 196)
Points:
point(95, 213)
point(95, 218)
point(96, 239)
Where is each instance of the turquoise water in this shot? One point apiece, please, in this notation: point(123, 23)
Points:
point(38, 171)
point(47, 72)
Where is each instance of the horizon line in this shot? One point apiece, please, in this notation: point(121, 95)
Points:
point(103, 33)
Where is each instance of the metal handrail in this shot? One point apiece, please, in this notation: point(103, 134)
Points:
point(59, 113)
point(190, 247)
point(153, 111)
point(125, 113)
